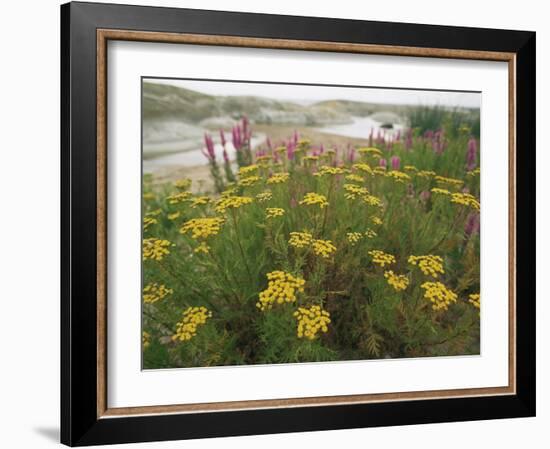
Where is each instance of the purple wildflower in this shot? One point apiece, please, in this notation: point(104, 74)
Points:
point(472, 224)
point(382, 162)
point(425, 195)
point(209, 153)
point(471, 155)
point(222, 137)
point(395, 162)
point(409, 139)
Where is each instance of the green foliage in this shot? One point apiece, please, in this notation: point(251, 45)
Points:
point(395, 211)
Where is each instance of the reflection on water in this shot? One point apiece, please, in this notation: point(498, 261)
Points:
point(360, 127)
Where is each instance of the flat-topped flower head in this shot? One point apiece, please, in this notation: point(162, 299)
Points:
point(354, 178)
point(370, 234)
point(370, 151)
point(474, 300)
point(430, 265)
point(300, 239)
point(353, 191)
point(328, 170)
point(315, 199)
point(439, 191)
point(376, 220)
point(311, 321)
point(145, 339)
point(449, 181)
point(397, 281)
point(282, 288)
point(231, 202)
point(177, 198)
point(155, 249)
point(381, 258)
point(354, 237)
point(193, 318)
point(398, 176)
point(272, 212)
point(173, 216)
point(202, 228)
point(199, 201)
point(410, 168)
point(466, 199)
point(439, 295)
point(249, 181)
point(365, 168)
point(154, 292)
point(323, 248)
point(278, 178)
point(248, 170)
point(264, 196)
point(372, 200)
point(148, 222)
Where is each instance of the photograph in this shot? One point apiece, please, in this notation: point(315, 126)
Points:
point(294, 223)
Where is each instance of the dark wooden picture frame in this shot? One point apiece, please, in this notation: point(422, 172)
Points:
point(86, 29)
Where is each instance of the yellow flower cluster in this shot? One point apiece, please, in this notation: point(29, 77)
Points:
point(146, 339)
point(327, 170)
point(370, 150)
point(248, 170)
point(377, 220)
point(369, 233)
point(272, 212)
point(300, 239)
point(353, 191)
point(202, 228)
point(148, 222)
point(193, 318)
point(199, 201)
point(230, 191)
point(450, 181)
point(474, 172)
point(474, 300)
point(280, 150)
point(323, 248)
point(264, 196)
point(153, 213)
point(430, 265)
point(354, 237)
point(248, 181)
point(231, 202)
point(278, 178)
point(354, 178)
point(397, 281)
point(380, 170)
point(363, 167)
point(173, 216)
point(466, 199)
point(372, 200)
point(439, 191)
point(311, 321)
point(183, 184)
point(148, 196)
point(381, 258)
point(310, 158)
point(439, 295)
point(178, 198)
point(282, 287)
point(313, 198)
point(154, 292)
point(398, 176)
point(410, 168)
point(426, 173)
point(264, 157)
point(202, 248)
point(155, 249)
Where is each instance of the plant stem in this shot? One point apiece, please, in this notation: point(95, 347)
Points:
point(240, 244)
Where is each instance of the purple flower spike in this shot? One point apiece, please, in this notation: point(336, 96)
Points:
point(395, 163)
point(382, 163)
point(425, 195)
point(222, 137)
point(351, 154)
point(236, 137)
point(225, 156)
point(269, 145)
point(472, 224)
point(471, 155)
point(438, 142)
point(209, 153)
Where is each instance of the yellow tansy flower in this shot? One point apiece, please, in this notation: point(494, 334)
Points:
point(193, 318)
point(282, 287)
point(311, 321)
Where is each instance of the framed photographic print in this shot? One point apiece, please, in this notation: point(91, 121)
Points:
point(277, 224)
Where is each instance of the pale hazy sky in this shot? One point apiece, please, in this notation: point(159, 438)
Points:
point(311, 94)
